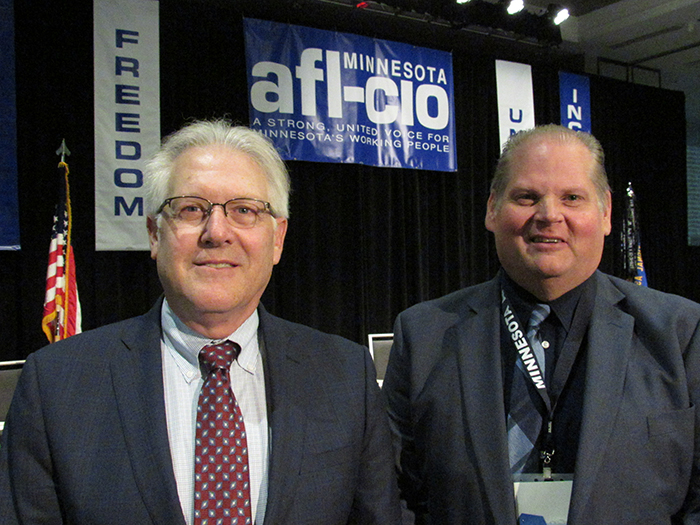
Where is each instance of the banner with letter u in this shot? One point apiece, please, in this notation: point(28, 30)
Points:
point(325, 96)
point(516, 107)
point(127, 118)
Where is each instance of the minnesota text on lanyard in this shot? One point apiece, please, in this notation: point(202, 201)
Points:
point(522, 345)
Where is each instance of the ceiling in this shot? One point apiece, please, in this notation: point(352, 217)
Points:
point(652, 42)
point(655, 42)
point(657, 34)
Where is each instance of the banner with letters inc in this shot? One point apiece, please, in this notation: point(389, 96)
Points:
point(325, 96)
point(127, 118)
point(516, 107)
point(575, 101)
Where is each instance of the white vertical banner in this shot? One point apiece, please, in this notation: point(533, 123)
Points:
point(516, 106)
point(127, 118)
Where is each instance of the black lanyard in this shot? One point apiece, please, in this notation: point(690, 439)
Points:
point(524, 350)
point(565, 362)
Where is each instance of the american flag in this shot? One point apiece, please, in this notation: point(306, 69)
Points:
point(61, 305)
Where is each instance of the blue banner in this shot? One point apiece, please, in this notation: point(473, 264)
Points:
point(324, 96)
point(9, 206)
point(575, 101)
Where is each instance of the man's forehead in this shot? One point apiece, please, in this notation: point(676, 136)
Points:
point(526, 183)
point(548, 144)
point(566, 156)
point(212, 156)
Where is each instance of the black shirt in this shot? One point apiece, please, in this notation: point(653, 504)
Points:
point(564, 330)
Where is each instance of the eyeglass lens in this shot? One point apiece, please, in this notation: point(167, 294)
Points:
point(194, 210)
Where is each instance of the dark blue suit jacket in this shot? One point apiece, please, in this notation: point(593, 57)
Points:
point(86, 440)
point(638, 460)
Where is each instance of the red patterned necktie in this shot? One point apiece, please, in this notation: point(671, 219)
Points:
point(222, 487)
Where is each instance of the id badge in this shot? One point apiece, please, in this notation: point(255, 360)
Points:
point(539, 502)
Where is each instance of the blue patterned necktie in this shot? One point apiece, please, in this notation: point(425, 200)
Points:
point(222, 485)
point(538, 315)
point(524, 420)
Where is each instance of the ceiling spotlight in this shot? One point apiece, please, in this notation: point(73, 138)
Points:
point(557, 13)
point(515, 6)
point(462, 1)
point(560, 16)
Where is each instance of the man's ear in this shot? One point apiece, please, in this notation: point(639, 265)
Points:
point(152, 225)
point(490, 213)
point(280, 233)
point(607, 214)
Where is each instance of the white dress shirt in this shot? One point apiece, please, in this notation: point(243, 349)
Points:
point(182, 381)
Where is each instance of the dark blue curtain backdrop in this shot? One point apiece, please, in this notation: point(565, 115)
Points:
point(9, 213)
point(364, 243)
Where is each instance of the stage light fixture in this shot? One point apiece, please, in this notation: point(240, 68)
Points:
point(557, 13)
point(560, 16)
point(362, 5)
point(462, 1)
point(515, 6)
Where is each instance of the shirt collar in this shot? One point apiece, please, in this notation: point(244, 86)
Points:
point(187, 343)
point(563, 307)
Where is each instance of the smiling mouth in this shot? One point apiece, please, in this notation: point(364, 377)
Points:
point(217, 265)
point(545, 240)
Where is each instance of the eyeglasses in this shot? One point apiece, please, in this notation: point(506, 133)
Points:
point(193, 211)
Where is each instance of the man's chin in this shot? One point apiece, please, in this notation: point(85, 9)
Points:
point(535, 270)
point(548, 267)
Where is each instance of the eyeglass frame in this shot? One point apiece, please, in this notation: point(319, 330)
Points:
point(266, 205)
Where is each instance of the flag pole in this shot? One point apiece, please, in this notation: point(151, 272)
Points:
point(63, 151)
point(633, 266)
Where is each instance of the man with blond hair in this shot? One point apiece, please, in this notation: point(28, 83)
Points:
point(551, 371)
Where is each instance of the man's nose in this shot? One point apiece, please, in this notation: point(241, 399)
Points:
point(217, 227)
point(548, 209)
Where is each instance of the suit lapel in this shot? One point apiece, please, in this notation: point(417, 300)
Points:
point(138, 386)
point(477, 337)
point(286, 420)
point(609, 345)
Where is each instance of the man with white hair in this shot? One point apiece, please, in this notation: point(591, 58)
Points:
point(207, 409)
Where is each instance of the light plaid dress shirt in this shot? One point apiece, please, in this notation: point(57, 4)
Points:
point(182, 381)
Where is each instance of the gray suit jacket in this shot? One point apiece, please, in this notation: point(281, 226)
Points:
point(639, 453)
point(86, 438)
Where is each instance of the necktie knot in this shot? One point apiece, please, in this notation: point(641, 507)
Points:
point(218, 356)
point(539, 314)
